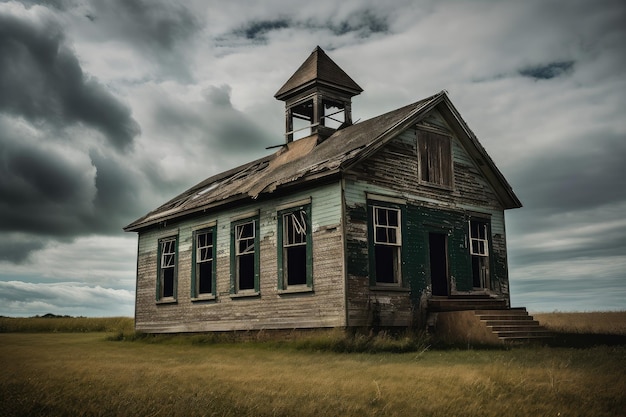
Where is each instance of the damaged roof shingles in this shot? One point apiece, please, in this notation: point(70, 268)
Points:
point(296, 162)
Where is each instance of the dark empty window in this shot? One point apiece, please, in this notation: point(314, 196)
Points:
point(204, 262)
point(387, 244)
point(245, 262)
point(167, 268)
point(434, 158)
point(295, 256)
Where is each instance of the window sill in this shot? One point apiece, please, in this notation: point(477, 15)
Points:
point(434, 185)
point(394, 288)
point(296, 289)
point(204, 297)
point(168, 300)
point(245, 294)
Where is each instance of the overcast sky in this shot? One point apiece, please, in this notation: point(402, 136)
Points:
point(110, 108)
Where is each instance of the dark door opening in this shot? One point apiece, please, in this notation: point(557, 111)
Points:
point(438, 263)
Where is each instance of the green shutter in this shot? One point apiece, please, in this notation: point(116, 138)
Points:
point(158, 274)
point(257, 257)
point(370, 244)
point(404, 259)
point(309, 247)
point(175, 290)
point(194, 236)
point(232, 259)
point(214, 266)
point(280, 252)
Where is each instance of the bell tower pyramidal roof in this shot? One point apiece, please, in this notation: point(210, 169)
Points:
point(318, 98)
point(318, 69)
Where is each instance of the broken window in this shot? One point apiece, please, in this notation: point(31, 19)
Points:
point(334, 114)
point(479, 251)
point(301, 120)
point(387, 245)
point(166, 287)
point(434, 158)
point(245, 261)
point(204, 254)
point(294, 263)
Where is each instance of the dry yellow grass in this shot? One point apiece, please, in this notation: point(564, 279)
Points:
point(613, 322)
point(83, 374)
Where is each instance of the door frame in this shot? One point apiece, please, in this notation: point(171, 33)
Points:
point(441, 256)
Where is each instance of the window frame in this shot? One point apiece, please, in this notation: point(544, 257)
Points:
point(484, 241)
point(282, 248)
point(443, 178)
point(160, 282)
point(195, 270)
point(373, 242)
point(235, 256)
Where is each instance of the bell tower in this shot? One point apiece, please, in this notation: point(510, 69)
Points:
point(318, 98)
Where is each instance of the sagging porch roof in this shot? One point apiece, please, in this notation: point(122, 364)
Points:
point(306, 160)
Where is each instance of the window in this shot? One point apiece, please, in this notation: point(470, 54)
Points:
point(478, 238)
point(166, 283)
point(479, 251)
point(245, 259)
point(387, 245)
point(203, 274)
point(334, 114)
point(294, 246)
point(300, 120)
point(434, 158)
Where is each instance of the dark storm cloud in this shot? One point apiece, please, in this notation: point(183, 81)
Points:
point(581, 176)
point(51, 114)
point(41, 80)
point(17, 251)
point(363, 23)
point(258, 29)
point(548, 71)
point(215, 124)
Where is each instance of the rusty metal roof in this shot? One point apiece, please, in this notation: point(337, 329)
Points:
point(307, 159)
point(318, 68)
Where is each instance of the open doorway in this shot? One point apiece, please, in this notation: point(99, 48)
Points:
point(437, 243)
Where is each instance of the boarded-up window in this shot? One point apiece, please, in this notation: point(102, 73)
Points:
point(434, 158)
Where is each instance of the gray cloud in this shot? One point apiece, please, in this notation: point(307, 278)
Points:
point(156, 24)
point(547, 71)
point(362, 22)
point(68, 298)
point(42, 80)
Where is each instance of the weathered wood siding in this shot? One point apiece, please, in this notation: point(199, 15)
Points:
point(393, 172)
point(322, 307)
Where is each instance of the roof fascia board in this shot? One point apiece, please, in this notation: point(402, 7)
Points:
point(489, 169)
point(415, 116)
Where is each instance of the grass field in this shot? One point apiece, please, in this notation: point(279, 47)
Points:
point(87, 374)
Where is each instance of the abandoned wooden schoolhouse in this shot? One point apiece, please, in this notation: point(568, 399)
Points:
point(375, 223)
